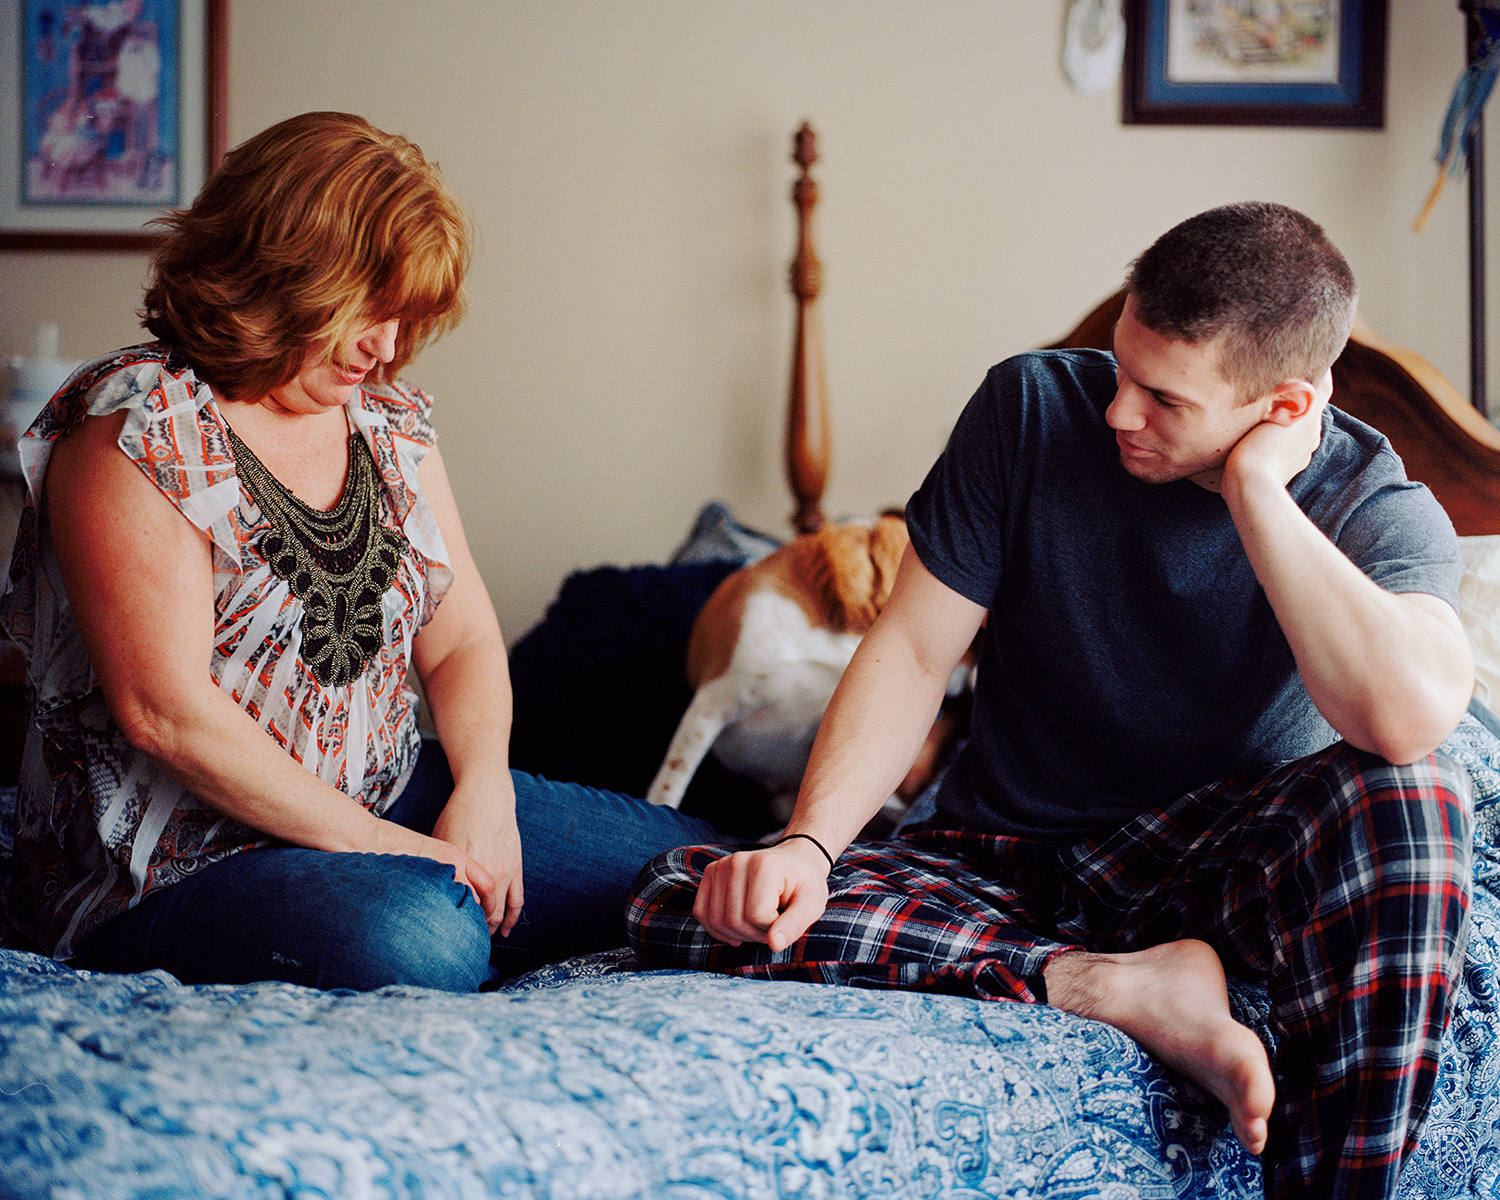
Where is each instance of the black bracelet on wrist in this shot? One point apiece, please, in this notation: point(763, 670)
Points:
point(809, 837)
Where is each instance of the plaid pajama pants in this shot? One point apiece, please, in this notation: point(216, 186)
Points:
point(1340, 880)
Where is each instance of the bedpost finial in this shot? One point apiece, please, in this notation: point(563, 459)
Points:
point(804, 146)
point(807, 412)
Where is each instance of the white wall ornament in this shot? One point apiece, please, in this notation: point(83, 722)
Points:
point(1093, 45)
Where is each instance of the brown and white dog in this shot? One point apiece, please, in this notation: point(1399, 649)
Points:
point(768, 648)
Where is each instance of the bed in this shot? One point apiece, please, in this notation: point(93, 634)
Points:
point(594, 1079)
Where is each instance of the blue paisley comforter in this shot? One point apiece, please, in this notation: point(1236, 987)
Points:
point(596, 1081)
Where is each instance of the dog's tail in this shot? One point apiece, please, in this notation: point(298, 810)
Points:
point(714, 705)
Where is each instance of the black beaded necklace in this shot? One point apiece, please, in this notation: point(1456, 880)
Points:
point(339, 563)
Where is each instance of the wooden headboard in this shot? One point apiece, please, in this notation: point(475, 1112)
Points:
point(1444, 442)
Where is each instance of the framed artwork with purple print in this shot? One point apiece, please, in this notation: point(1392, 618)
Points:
point(114, 114)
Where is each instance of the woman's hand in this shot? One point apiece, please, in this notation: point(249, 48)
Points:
point(484, 827)
point(460, 658)
point(468, 869)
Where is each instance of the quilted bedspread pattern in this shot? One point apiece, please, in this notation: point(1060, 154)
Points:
point(595, 1080)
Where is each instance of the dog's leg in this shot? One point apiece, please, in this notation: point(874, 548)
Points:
point(714, 705)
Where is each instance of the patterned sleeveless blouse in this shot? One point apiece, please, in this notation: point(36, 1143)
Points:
point(99, 824)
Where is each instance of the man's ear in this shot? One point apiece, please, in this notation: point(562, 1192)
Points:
point(1290, 401)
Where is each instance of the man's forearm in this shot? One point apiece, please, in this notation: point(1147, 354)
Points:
point(1390, 673)
point(874, 727)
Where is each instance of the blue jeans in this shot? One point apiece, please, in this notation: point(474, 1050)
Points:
point(362, 921)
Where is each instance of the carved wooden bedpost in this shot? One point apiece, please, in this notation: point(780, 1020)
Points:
point(807, 434)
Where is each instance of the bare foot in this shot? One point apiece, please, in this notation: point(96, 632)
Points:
point(1172, 999)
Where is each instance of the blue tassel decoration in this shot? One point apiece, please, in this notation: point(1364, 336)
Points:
point(1470, 95)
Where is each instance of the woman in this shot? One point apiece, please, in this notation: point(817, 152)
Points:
point(238, 538)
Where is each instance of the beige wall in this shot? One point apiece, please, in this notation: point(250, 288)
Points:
point(625, 354)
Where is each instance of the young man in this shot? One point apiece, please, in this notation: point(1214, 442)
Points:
point(1220, 645)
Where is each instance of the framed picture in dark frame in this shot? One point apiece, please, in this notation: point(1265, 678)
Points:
point(1235, 62)
point(115, 112)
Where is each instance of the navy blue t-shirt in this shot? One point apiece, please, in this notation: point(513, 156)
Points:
point(1130, 654)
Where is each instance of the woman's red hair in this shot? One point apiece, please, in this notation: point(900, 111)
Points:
point(310, 231)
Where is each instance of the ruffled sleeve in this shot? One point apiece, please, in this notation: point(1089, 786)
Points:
point(172, 432)
point(176, 437)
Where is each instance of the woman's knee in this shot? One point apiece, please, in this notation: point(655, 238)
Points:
point(357, 921)
point(429, 931)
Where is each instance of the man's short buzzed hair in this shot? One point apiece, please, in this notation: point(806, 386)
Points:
point(1263, 277)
